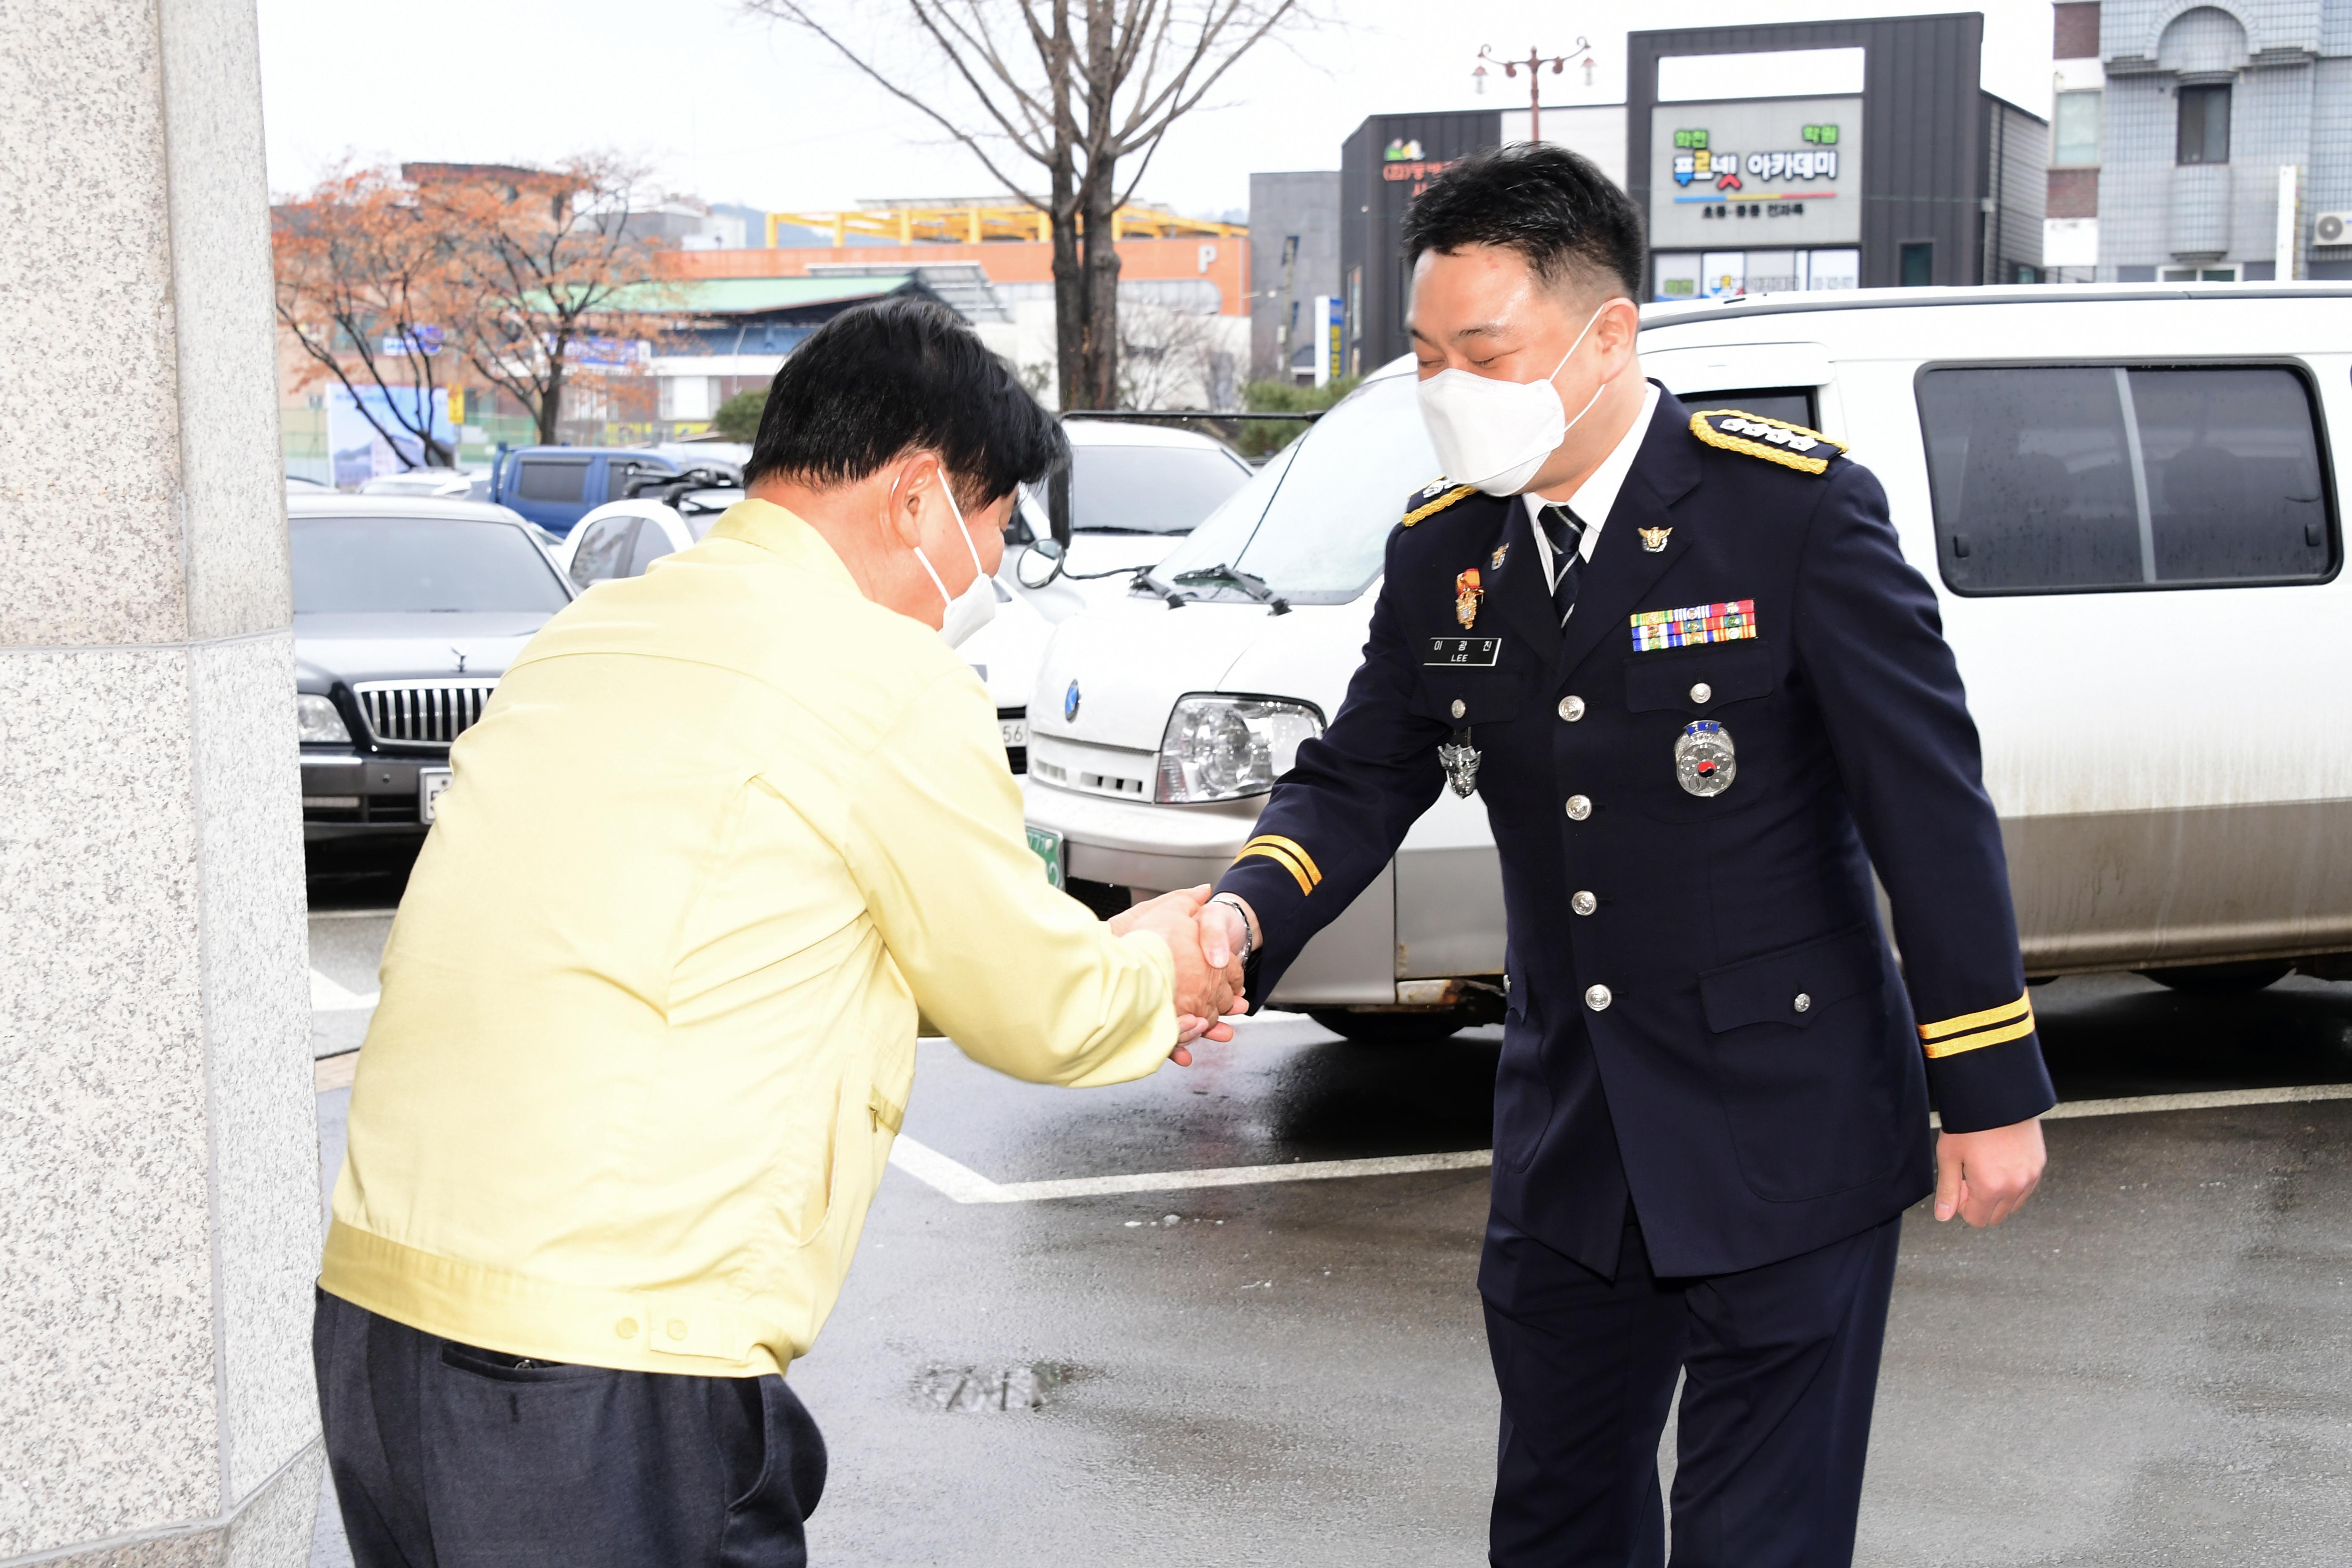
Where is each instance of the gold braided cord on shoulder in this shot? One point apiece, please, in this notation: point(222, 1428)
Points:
point(1770, 454)
point(1440, 504)
point(1973, 1031)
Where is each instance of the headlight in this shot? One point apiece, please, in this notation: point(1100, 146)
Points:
point(319, 723)
point(1222, 747)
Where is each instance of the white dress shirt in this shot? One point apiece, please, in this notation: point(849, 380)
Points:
point(1596, 496)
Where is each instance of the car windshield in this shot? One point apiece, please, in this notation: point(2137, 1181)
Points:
point(1148, 489)
point(360, 564)
point(1314, 523)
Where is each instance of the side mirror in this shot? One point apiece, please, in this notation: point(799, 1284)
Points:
point(1048, 550)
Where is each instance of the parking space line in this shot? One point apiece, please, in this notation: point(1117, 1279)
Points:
point(2217, 1099)
point(328, 997)
point(965, 1186)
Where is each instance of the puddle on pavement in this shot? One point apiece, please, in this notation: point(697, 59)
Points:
point(970, 1388)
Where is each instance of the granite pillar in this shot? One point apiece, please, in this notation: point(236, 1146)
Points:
point(159, 1215)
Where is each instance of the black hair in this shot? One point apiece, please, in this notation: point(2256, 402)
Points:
point(900, 375)
point(1550, 204)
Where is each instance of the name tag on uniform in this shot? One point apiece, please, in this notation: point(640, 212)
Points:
point(1464, 650)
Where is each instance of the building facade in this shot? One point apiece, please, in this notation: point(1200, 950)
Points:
point(2225, 139)
point(1294, 259)
point(1830, 155)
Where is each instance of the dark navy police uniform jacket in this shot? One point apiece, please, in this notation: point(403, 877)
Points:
point(1704, 1018)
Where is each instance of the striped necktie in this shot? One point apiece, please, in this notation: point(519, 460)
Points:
point(1565, 532)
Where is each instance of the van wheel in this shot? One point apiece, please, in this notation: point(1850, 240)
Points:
point(1426, 1028)
point(2219, 979)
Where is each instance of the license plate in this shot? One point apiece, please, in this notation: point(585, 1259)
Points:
point(1015, 732)
point(1047, 844)
point(430, 783)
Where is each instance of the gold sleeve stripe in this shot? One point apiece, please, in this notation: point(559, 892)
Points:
point(1279, 858)
point(1968, 1021)
point(1297, 849)
point(1959, 1043)
point(1440, 504)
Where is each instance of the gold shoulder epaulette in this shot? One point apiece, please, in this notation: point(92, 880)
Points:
point(1774, 441)
point(1431, 508)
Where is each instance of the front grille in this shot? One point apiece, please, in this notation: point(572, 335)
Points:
point(423, 713)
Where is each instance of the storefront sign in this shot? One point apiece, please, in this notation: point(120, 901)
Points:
point(1756, 172)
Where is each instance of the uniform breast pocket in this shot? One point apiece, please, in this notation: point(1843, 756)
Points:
point(1469, 694)
point(1705, 730)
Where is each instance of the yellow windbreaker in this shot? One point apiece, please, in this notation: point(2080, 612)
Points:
point(650, 1008)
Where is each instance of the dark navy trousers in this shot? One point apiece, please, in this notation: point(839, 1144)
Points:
point(1779, 1367)
point(445, 1455)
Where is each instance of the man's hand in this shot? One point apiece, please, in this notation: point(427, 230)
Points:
point(1208, 976)
point(1985, 1177)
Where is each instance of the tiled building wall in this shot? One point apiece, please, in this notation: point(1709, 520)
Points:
point(2289, 64)
point(2329, 177)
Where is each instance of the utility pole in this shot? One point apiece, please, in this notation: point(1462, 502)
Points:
point(1536, 59)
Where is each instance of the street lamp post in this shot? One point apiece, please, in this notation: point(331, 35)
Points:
point(1535, 60)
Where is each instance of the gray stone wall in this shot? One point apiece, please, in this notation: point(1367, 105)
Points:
point(159, 1222)
point(2291, 104)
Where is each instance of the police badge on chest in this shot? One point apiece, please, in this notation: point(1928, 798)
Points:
point(1704, 759)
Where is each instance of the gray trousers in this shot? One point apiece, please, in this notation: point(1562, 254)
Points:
point(445, 1455)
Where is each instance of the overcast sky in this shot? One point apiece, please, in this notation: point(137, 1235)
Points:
point(737, 108)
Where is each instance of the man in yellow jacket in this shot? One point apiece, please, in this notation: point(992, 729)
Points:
point(650, 1008)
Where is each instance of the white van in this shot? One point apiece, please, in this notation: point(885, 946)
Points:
point(2126, 498)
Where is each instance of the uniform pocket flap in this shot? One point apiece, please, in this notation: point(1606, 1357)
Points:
point(887, 1113)
point(1469, 695)
point(1794, 984)
point(1730, 671)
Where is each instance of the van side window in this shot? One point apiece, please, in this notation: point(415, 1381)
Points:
point(544, 479)
point(2073, 478)
point(1789, 404)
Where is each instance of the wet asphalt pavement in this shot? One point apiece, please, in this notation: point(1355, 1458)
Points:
point(2152, 1364)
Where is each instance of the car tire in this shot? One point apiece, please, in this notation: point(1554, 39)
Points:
point(2221, 979)
point(1417, 1028)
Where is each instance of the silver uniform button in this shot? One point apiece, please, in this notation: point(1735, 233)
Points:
point(1458, 709)
point(1597, 997)
point(1579, 807)
point(1804, 1004)
point(1571, 708)
point(1702, 691)
point(1585, 904)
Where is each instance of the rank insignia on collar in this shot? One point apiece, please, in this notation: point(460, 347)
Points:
point(1655, 539)
point(1495, 561)
point(1774, 441)
point(1435, 487)
point(1466, 594)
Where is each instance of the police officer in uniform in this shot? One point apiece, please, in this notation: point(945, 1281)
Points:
point(1678, 651)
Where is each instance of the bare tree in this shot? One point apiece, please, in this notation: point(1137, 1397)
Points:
point(550, 264)
point(1171, 358)
point(363, 290)
point(1075, 87)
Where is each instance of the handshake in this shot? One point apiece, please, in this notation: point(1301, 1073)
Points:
point(1207, 940)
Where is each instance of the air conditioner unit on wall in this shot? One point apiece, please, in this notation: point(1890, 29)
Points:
point(2332, 228)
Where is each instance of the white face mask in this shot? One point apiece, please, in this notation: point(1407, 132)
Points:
point(974, 607)
point(1496, 434)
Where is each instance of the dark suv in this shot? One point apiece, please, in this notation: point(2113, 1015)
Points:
point(555, 487)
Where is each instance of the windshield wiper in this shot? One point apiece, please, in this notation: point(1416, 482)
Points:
point(1144, 580)
point(1247, 582)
